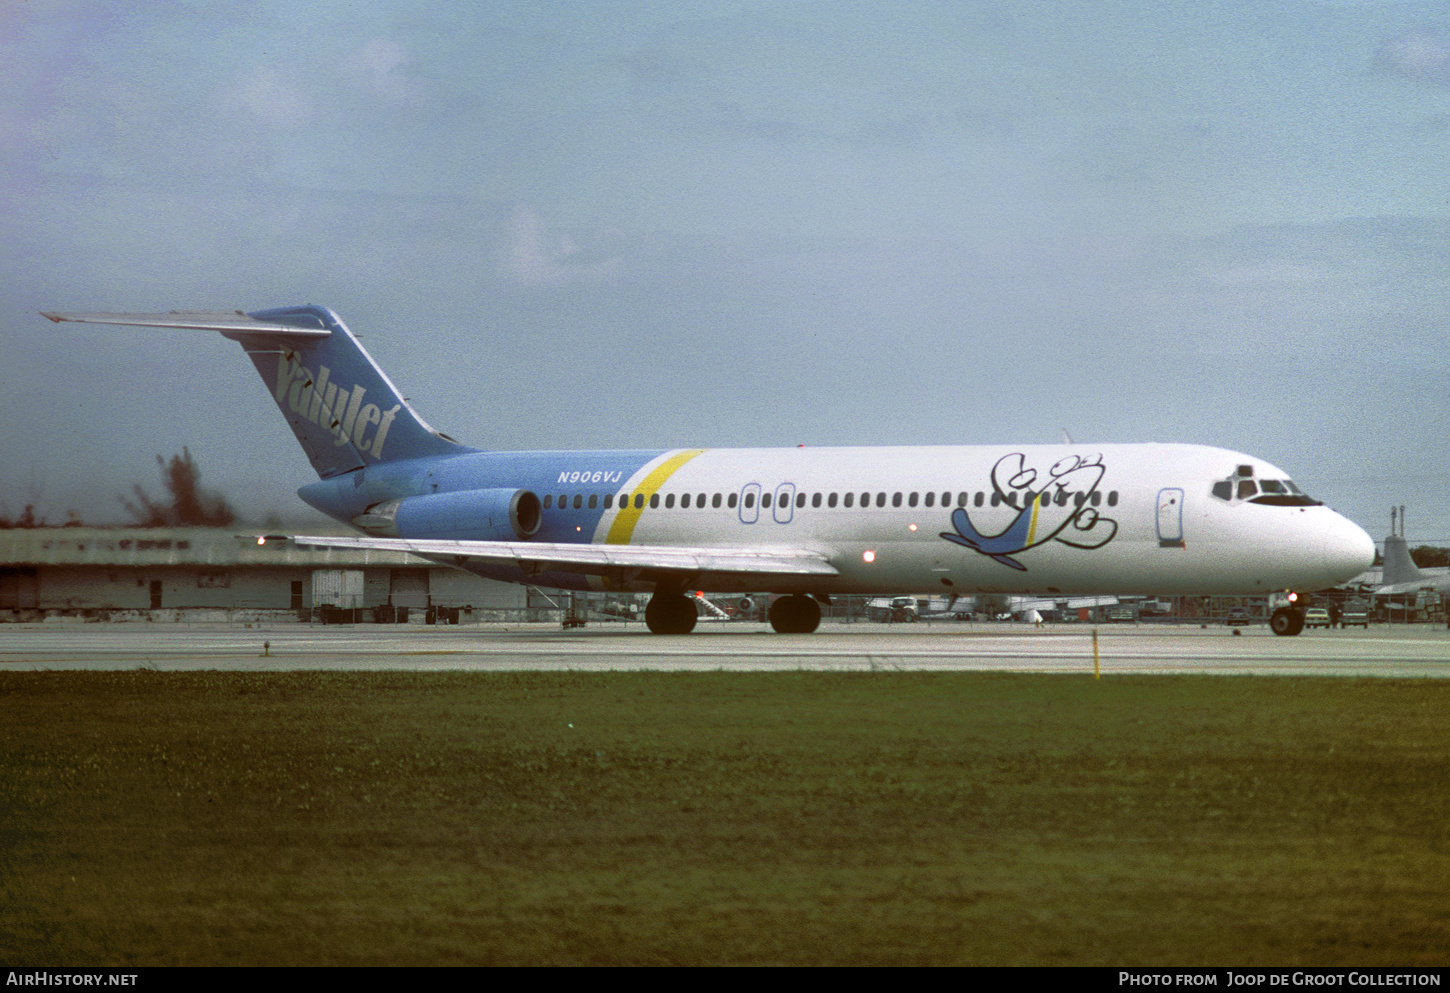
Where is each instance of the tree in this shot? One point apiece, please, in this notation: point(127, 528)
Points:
point(26, 520)
point(190, 505)
point(1429, 557)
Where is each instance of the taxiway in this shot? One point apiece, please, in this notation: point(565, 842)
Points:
point(1416, 651)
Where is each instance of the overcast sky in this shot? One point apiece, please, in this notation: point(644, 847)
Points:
point(658, 224)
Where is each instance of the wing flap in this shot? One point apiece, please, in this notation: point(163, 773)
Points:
point(595, 559)
point(234, 322)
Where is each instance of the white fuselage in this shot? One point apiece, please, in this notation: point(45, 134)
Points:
point(1139, 518)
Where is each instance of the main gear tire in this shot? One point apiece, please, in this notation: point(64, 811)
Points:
point(670, 613)
point(795, 614)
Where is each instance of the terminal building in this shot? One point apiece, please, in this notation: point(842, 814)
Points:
point(165, 573)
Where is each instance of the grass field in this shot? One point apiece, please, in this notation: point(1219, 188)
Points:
point(655, 818)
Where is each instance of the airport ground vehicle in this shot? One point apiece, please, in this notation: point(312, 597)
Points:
point(1355, 613)
point(1237, 617)
point(895, 610)
point(1316, 617)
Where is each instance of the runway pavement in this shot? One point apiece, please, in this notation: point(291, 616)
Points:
point(1414, 651)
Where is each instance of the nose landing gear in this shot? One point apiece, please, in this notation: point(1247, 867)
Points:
point(1287, 621)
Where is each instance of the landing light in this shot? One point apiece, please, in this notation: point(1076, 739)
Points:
point(868, 556)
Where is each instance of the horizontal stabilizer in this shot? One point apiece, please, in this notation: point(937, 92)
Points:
point(226, 321)
point(342, 408)
point(597, 559)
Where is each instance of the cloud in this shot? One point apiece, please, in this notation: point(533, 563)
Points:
point(533, 257)
point(1418, 56)
point(379, 67)
point(263, 94)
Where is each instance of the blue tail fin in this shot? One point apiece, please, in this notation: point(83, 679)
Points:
point(343, 409)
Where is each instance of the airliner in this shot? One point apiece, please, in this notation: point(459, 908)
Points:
point(803, 523)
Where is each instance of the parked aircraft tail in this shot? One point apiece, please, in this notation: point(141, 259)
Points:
point(343, 409)
point(1399, 567)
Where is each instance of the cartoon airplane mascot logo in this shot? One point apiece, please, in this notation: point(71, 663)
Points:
point(1062, 507)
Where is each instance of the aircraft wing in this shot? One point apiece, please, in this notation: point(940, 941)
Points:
point(1438, 584)
point(536, 557)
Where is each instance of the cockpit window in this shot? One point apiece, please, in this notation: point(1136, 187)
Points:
point(1283, 493)
point(1273, 492)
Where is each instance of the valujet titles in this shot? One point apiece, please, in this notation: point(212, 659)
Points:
point(336, 408)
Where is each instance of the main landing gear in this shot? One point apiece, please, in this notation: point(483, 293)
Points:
point(670, 613)
point(674, 613)
point(1287, 621)
point(795, 614)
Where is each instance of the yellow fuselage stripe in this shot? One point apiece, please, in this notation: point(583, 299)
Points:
point(624, 523)
point(1032, 527)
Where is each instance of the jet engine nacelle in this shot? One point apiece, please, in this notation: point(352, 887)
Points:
point(466, 515)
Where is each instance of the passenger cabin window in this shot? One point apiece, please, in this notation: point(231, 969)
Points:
point(548, 500)
point(730, 501)
point(593, 501)
point(638, 501)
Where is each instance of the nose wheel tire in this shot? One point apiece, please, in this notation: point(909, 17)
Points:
point(1286, 622)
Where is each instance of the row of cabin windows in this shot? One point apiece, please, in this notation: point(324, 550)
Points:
point(829, 500)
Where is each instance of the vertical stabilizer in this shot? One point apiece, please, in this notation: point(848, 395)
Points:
point(343, 409)
point(1399, 567)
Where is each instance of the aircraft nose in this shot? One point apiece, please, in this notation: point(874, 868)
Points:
point(1348, 550)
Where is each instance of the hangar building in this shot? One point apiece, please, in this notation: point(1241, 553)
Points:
point(112, 571)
